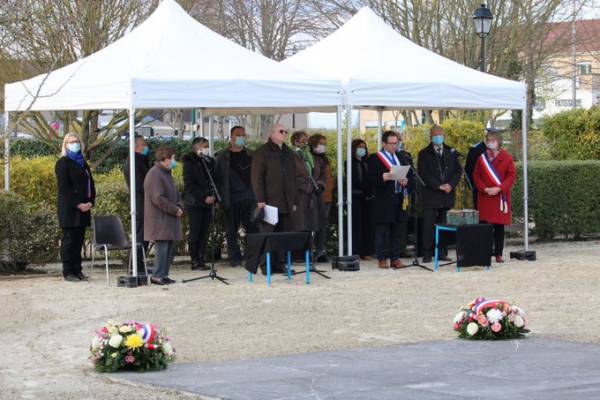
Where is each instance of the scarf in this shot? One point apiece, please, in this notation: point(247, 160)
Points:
point(77, 157)
point(307, 156)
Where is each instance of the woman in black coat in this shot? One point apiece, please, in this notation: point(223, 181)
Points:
point(76, 196)
point(362, 232)
point(198, 198)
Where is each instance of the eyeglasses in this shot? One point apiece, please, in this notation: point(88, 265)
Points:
point(392, 143)
point(283, 131)
point(73, 141)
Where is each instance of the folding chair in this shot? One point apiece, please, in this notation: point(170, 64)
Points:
point(108, 234)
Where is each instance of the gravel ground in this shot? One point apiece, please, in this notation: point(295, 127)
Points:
point(47, 323)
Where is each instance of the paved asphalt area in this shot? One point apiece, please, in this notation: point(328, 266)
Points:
point(515, 369)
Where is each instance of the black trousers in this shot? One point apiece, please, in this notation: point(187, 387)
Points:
point(199, 219)
point(498, 238)
point(387, 241)
point(71, 245)
point(362, 228)
point(285, 224)
point(238, 215)
point(432, 216)
point(139, 224)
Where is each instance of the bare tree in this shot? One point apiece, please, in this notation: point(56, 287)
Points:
point(47, 34)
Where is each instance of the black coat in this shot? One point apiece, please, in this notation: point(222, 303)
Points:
point(142, 166)
point(435, 172)
point(472, 156)
point(72, 181)
point(387, 205)
point(196, 183)
point(224, 178)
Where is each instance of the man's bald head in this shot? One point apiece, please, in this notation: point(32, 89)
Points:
point(278, 134)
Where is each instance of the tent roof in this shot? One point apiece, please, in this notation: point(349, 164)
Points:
point(380, 67)
point(173, 61)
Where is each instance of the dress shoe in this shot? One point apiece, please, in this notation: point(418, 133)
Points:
point(383, 264)
point(81, 276)
point(158, 281)
point(426, 260)
point(169, 280)
point(71, 278)
point(444, 258)
point(499, 259)
point(322, 259)
point(397, 264)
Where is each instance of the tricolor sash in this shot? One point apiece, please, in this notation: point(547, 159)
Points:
point(493, 177)
point(388, 162)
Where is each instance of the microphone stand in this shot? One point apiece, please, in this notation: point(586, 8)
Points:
point(415, 262)
point(212, 274)
point(312, 267)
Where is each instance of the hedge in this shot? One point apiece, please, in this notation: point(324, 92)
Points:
point(574, 134)
point(563, 197)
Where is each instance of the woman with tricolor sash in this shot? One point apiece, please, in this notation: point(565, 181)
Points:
point(494, 176)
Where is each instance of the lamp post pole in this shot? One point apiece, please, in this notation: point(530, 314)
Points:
point(482, 18)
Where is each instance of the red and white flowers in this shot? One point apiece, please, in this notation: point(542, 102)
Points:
point(489, 320)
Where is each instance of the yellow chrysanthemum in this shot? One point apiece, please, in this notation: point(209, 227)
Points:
point(134, 341)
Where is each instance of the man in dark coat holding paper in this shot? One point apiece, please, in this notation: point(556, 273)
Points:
point(440, 170)
point(273, 182)
point(390, 202)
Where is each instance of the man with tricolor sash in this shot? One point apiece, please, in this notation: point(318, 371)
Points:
point(390, 202)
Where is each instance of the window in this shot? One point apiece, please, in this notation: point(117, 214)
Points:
point(584, 68)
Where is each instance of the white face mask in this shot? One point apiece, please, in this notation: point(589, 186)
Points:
point(203, 152)
point(492, 145)
point(320, 149)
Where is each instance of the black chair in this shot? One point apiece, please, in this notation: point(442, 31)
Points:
point(108, 233)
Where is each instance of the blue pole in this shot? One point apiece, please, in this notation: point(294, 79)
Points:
point(269, 269)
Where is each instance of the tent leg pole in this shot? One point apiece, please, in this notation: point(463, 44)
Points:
point(379, 126)
point(201, 117)
point(210, 135)
point(349, 176)
point(6, 153)
point(340, 183)
point(132, 191)
point(525, 193)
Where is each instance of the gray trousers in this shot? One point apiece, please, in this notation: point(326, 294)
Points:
point(164, 254)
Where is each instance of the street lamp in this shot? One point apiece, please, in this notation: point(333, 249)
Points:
point(483, 23)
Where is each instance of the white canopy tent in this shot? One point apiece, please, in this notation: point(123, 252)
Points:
point(379, 68)
point(172, 61)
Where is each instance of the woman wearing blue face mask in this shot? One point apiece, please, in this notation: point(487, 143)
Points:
point(162, 213)
point(76, 196)
point(362, 233)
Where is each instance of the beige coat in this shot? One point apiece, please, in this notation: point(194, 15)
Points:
point(161, 202)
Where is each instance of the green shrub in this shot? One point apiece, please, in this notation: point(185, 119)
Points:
point(29, 233)
point(32, 148)
point(33, 179)
point(563, 197)
point(574, 134)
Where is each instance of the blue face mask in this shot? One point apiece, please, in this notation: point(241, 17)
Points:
point(240, 141)
point(361, 152)
point(74, 147)
point(145, 151)
point(437, 139)
point(173, 164)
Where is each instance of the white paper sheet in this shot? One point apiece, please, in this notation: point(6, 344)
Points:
point(399, 171)
point(271, 215)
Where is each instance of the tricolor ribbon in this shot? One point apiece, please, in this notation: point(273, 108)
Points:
point(388, 162)
point(493, 176)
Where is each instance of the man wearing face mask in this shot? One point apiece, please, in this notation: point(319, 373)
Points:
point(198, 198)
point(162, 213)
point(440, 170)
point(142, 166)
point(233, 174)
point(390, 202)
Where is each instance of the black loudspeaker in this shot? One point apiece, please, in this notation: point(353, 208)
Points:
point(528, 255)
point(132, 281)
point(346, 263)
